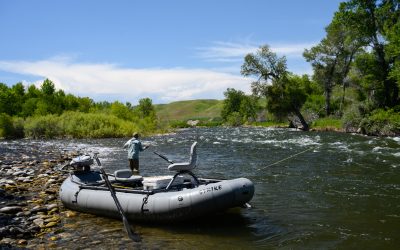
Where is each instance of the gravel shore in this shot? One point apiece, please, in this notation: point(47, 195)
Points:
point(30, 179)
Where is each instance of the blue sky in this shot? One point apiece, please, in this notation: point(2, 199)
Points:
point(166, 50)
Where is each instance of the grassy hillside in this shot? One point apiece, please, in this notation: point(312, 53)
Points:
point(185, 110)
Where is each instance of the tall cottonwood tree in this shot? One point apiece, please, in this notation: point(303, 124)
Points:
point(284, 92)
point(374, 24)
point(331, 59)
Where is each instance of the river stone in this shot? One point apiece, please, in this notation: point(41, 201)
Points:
point(27, 180)
point(35, 217)
point(51, 206)
point(5, 167)
point(9, 172)
point(38, 209)
point(20, 173)
point(16, 231)
point(54, 210)
point(49, 182)
point(65, 235)
point(37, 201)
point(18, 204)
point(22, 179)
point(51, 197)
point(17, 220)
point(10, 210)
point(39, 222)
point(7, 181)
point(6, 241)
point(70, 214)
point(34, 228)
point(107, 231)
point(32, 163)
point(9, 187)
point(31, 172)
point(22, 242)
point(50, 224)
point(52, 219)
point(23, 214)
point(50, 191)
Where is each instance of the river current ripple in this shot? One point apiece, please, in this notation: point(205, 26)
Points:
point(343, 192)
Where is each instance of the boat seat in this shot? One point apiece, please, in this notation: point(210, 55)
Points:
point(186, 166)
point(125, 176)
point(160, 182)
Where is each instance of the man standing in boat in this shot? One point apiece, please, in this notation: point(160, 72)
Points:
point(134, 148)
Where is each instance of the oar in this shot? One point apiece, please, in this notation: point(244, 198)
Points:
point(135, 237)
point(163, 156)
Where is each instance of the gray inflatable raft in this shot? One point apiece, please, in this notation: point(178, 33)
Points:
point(159, 198)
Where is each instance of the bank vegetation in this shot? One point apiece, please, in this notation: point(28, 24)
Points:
point(355, 82)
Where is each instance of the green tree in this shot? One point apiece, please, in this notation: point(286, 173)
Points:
point(331, 59)
point(6, 126)
point(146, 108)
point(373, 23)
point(248, 108)
point(85, 104)
point(12, 99)
point(32, 92)
point(288, 98)
point(121, 111)
point(232, 102)
point(29, 107)
point(284, 92)
point(48, 88)
point(5, 99)
point(393, 50)
point(238, 104)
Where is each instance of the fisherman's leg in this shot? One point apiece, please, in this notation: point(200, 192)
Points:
point(135, 165)
point(131, 164)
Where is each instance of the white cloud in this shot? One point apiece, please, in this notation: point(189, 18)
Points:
point(125, 84)
point(235, 52)
point(226, 51)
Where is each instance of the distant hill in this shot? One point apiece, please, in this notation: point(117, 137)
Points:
point(193, 109)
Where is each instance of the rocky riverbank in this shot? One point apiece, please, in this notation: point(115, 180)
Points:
point(30, 178)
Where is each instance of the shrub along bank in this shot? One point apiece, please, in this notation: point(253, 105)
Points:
point(49, 113)
point(73, 125)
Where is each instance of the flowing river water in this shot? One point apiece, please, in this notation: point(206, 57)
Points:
point(342, 191)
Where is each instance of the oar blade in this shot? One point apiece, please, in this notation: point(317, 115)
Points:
point(132, 235)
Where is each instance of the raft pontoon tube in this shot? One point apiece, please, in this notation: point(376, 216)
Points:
point(159, 198)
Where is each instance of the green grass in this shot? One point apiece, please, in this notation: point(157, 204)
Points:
point(327, 123)
point(270, 124)
point(186, 110)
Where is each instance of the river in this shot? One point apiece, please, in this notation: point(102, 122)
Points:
point(334, 190)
